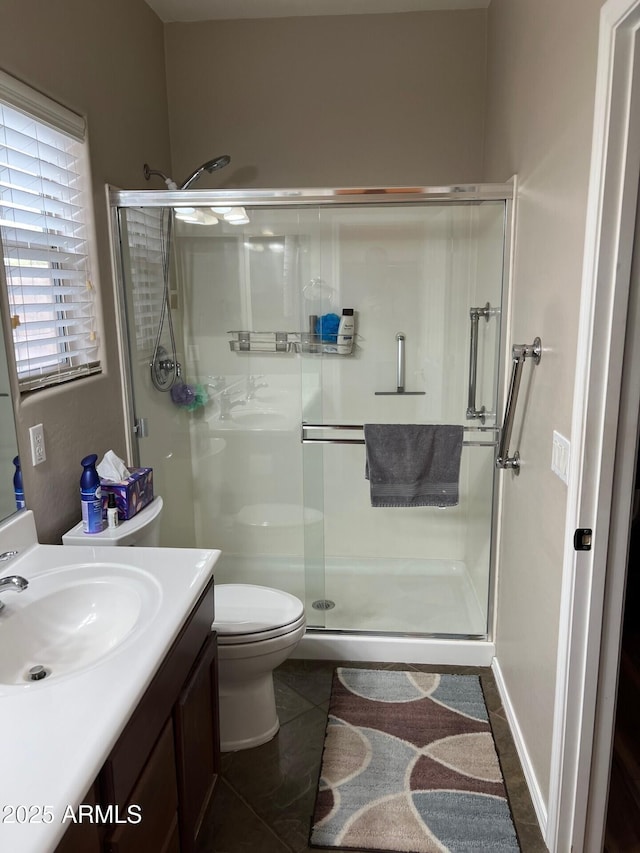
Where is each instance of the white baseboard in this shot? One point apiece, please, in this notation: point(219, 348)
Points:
point(532, 783)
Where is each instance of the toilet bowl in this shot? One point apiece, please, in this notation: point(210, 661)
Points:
point(258, 628)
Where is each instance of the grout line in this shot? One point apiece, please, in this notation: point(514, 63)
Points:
point(256, 815)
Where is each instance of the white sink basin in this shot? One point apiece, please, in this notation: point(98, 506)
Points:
point(73, 617)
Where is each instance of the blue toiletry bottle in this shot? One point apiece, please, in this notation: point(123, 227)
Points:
point(17, 485)
point(91, 496)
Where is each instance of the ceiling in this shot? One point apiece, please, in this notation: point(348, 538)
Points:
point(210, 10)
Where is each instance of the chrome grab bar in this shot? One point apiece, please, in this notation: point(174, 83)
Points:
point(474, 315)
point(519, 353)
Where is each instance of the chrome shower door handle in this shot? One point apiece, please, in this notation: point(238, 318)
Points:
point(400, 339)
point(400, 371)
point(474, 315)
point(519, 353)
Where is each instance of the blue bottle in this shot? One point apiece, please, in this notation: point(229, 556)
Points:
point(17, 485)
point(91, 496)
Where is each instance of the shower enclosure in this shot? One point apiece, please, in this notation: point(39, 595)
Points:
point(258, 449)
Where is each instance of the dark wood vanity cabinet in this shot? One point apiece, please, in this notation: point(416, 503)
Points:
point(160, 776)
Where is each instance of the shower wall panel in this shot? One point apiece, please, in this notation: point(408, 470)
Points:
point(418, 274)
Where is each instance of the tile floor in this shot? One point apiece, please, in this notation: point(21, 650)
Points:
point(265, 796)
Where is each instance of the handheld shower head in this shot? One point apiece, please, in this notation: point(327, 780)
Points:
point(209, 166)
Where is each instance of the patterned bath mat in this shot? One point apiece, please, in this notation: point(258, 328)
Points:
point(410, 765)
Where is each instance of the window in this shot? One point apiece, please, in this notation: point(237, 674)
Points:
point(45, 227)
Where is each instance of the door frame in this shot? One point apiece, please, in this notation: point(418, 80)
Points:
point(598, 497)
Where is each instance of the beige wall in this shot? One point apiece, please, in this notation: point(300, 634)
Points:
point(330, 101)
point(390, 99)
point(541, 78)
point(106, 61)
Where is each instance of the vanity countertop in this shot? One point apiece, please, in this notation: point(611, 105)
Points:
point(58, 732)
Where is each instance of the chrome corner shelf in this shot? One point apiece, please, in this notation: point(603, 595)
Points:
point(283, 342)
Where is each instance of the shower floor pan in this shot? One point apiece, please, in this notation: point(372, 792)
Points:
point(379, 596)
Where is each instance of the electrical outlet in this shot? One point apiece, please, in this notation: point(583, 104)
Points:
point(560, 454)
point(38, 452)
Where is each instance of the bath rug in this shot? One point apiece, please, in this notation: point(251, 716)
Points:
point(410, 766)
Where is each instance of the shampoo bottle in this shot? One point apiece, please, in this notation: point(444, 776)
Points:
point(346, 331)
point(91, 496)
point(17, 485)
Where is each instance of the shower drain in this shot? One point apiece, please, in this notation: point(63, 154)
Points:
point(323, 604)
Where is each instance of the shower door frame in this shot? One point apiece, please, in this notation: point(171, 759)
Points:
point(337, 197)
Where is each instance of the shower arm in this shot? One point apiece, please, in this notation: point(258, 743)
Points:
point(519, 353)
point(171, 184)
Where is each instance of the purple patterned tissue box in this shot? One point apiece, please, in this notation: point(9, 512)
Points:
point(132, 494)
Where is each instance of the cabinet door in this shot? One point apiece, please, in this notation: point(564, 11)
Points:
point(197, 734)
point(155, 798)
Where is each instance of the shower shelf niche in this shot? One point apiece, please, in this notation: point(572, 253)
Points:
point(283, 342)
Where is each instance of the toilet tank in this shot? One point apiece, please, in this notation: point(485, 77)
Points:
point(142, 530)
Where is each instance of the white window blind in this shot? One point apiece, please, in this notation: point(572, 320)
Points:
point(44, 237)
point(145, 232)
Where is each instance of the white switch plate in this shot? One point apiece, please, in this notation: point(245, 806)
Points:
point(38, 452)
point(560, 455)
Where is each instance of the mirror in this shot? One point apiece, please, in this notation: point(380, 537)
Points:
point(8, 441)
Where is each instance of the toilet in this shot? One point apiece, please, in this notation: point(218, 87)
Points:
point(142, 530)
point(258, 628)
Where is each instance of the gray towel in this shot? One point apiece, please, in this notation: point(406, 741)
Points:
point(413, 464)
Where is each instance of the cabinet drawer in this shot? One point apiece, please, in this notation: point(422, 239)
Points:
point(156, 796)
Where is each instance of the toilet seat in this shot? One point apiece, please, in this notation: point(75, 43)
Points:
point(246, 613)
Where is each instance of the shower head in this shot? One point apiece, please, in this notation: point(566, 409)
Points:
point(209, 166)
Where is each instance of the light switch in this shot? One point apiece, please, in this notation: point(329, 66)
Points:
point(560, 456)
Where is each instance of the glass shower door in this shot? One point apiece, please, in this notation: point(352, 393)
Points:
point(412, 274)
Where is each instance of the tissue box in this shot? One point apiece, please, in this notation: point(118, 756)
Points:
point(132, 494)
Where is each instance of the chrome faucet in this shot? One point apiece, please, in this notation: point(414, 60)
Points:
point(226, 404)
point(253, 385)
point(219, 383)
point(12, 583)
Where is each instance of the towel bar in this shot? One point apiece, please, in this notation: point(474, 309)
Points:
point(352, 427)
point(519, 353)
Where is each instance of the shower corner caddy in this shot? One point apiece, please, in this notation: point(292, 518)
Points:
point(282, 342)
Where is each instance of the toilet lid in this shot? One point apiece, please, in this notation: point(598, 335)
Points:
point(247, 609)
